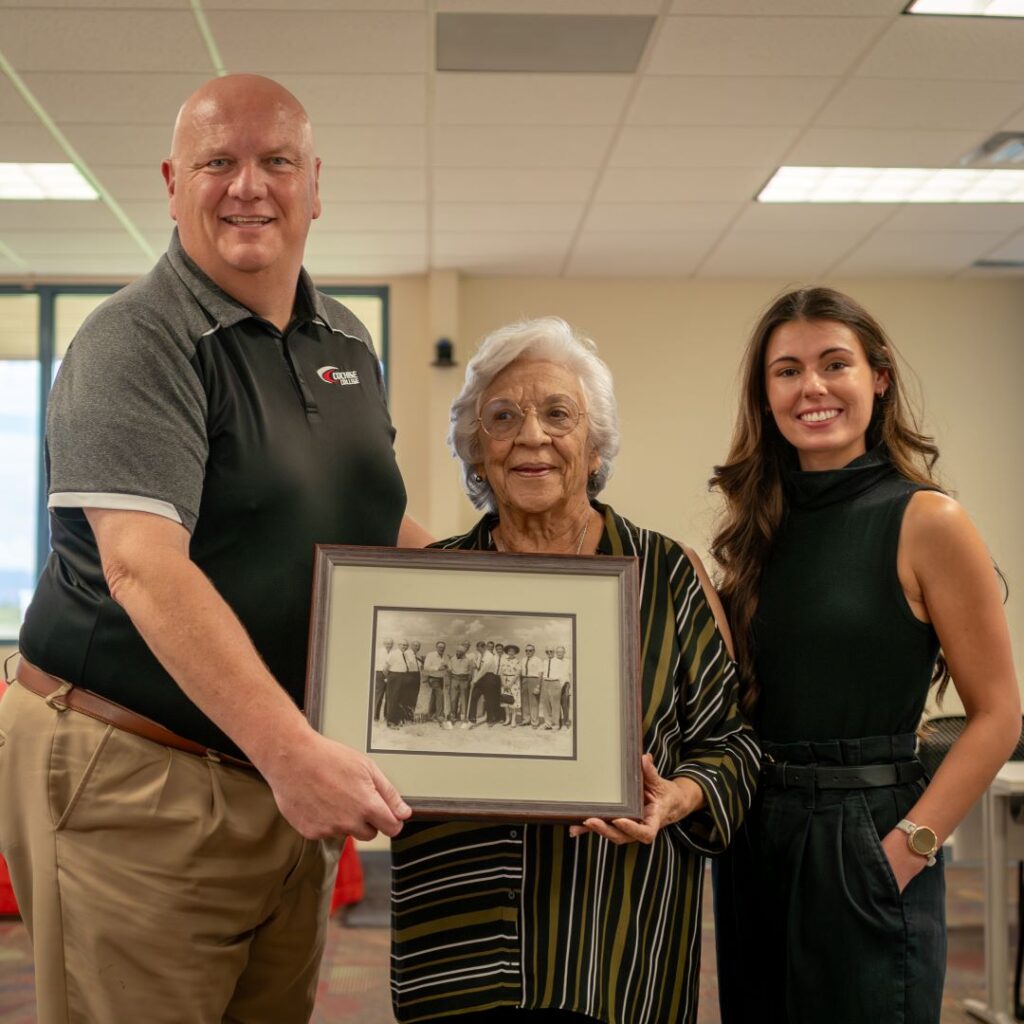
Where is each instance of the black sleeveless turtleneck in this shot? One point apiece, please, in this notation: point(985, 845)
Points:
point(838, 651)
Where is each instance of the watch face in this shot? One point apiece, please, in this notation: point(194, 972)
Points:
point(924, 841)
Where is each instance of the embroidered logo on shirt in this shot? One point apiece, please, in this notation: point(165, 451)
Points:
point(332, 375)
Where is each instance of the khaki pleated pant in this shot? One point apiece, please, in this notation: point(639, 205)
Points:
point(156, 886)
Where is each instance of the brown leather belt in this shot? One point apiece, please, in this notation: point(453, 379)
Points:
point(92, 704)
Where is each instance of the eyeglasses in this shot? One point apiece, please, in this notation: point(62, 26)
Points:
point(501, 418)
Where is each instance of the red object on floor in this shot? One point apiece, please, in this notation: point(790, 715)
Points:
point(349, 886)
point(7, 904)
point(347, 889)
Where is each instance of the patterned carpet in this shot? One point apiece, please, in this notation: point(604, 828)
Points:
point(354, 979)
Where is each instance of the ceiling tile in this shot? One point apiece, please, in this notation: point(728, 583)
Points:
point(10, 269)
point(30, 244)
point(692, 99)
point(148, 215)
point(551, 6)
point(322, 41)
point(140, 145)
point(371, 184)
point(655, 218)
point(360, 99)
point(804, 255)
point(126, 184)
point(314, 5)
point(683, 184)
point(1013, 249)
point(523, 185)
point(372, 243)
point(92, 265)
point(633, 254)
point(921, 104)
point(642, 146)
point(121, 98)
point(369, 145)
point(61, 4)
point(957, 217)
point(913, 253)
point(57, 216)
point(785, 8)
point(373, 217)
point(30, 143)
point(87, 39)
point(520, 146)
point(985, 49)
point(325, 268)
point(854, 147)
point(540, 264)
point(501, 245)
point(507, 216)
point(529, 99)
point(822, 47)
point(13, 109)
point(813, 216)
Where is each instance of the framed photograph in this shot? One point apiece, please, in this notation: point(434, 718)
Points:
point(484, 684)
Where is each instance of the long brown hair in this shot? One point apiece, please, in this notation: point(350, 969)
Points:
point(751, 478)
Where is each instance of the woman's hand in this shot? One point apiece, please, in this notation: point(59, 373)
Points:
point(665, 801)
point(904, 862)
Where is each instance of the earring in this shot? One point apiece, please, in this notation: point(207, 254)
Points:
point(477, 478)
point(880, 394)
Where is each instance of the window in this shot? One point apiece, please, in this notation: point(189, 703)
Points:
point(36, 327)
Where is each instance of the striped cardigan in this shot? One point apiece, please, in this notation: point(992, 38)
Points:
point(485, 916)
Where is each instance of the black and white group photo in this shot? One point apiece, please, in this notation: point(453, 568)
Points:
point(470, 682)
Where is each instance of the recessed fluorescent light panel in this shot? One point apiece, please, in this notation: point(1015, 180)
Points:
point(969, 8)
point(892, 185)
point(43, 181)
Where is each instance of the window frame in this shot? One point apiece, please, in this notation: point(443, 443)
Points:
point(46, 343)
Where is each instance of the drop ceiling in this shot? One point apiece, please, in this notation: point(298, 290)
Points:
point(647, 173)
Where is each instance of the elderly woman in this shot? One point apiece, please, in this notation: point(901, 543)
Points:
point(601, 920)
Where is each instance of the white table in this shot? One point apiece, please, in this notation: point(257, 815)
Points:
point(1000, 833)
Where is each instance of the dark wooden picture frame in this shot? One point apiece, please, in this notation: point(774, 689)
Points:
point(602, 776)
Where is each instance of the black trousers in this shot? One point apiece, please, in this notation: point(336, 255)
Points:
point(488, 689)
point(810, 926)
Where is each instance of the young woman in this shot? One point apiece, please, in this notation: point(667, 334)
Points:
point(852, 582)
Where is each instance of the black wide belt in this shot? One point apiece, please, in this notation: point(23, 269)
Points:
point(784, 775)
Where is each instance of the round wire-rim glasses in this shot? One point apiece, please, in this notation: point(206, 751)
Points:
point(502, 418)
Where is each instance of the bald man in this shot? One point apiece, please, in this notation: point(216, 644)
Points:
point(171, 820)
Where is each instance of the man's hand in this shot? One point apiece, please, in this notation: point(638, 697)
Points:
point(665, 801)
point(325, 789)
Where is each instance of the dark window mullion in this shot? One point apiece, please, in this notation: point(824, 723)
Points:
point(47, 298)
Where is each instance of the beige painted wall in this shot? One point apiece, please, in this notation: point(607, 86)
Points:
point(674, 348)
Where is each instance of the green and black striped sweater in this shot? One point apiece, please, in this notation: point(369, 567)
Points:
point(485, 916)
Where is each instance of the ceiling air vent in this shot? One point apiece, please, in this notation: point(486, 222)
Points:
point(567, 43)
point(999, 264)
point(1004, 149)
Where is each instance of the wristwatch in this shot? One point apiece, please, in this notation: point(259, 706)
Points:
point(921, 839)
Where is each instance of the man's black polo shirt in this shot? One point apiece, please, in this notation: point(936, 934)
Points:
point(176, 400)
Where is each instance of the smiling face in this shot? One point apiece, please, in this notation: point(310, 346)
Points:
point(243, 180)
point(534, 472)
point(821, 391)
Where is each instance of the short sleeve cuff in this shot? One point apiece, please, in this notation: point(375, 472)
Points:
point(128, 502)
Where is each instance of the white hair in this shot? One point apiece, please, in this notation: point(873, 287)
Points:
point(549, 338)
